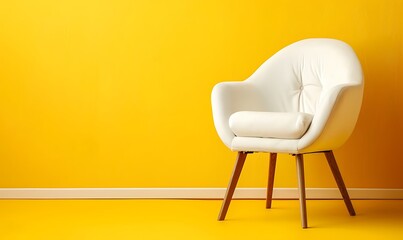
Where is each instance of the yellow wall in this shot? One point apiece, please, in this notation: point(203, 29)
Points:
point(116, 93)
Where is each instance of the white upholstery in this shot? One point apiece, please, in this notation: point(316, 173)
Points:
point(289, 125)
point(321, 77)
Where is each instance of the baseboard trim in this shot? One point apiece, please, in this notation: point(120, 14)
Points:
point(191, 193)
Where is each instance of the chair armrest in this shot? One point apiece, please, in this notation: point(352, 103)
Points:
point(335, 118)
point(228, 98)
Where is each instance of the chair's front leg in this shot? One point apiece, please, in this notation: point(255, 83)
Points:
point(270, 184)
point(339, 180)
point(232, 184)
point(301, 188)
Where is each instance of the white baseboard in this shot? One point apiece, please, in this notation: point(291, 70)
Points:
point(191, 193)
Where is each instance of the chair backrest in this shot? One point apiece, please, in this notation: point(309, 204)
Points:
point(296, 76)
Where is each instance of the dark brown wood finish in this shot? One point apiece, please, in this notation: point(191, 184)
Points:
point(339, 180)
point(270, 184)
point(232, 184)
point(301, 189)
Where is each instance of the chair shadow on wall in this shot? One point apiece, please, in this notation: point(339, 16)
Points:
point(371, 158)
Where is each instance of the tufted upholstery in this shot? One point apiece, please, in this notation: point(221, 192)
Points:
point(322, 77)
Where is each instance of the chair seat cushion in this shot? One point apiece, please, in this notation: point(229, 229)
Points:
point(289, 125)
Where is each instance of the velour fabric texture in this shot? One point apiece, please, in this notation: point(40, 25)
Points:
point(289, 125)
point(321, 77)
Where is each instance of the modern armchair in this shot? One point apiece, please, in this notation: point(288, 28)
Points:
point(305, 99)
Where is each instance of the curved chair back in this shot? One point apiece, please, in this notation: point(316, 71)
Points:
point(296, 76)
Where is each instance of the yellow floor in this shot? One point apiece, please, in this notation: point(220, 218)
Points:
point(196, 219)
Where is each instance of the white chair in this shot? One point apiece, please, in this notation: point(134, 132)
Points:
point(304, 99)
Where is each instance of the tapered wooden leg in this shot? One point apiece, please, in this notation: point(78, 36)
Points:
point(301, 188)
point(339, 180)
point(232, 184)
point(270, 184)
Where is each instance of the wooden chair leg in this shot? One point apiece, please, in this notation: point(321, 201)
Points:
point(339, 180)
point(301, 188)
point(232, 184)
point(270, 184)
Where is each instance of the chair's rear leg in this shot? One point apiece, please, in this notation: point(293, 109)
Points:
point(270, 184)
point(232, 184)
point(301, 188)
point(339, 180)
